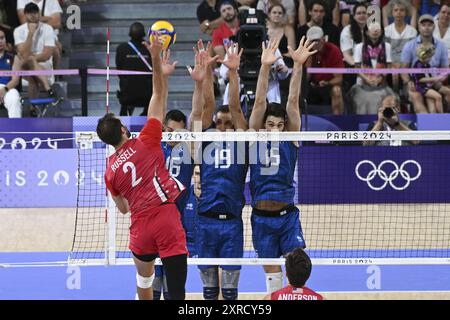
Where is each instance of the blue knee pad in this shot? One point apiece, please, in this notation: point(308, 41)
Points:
point(230, 294)
point(210, 293)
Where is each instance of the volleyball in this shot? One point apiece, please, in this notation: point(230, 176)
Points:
point(168, 35)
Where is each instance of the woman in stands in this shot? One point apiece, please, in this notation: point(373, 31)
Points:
point(277, 28)
point(353, 34)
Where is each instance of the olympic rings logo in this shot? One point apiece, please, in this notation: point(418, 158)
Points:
point(388, 178)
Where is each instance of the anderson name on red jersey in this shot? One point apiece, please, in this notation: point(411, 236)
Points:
point(137, 171)
point(291, 293)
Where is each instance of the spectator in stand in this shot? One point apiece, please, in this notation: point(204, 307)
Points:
point(427, 85)
point(409, 58)
point(8, 21)
point(388, 120)
point(289, 5)
point(332, 15)
point(277, 28)
point(442, 30)
point(135, 91)
point(208, 15)
point(353, 34)
point(374, 52)
point(388, 11)
point(246, 4)
point(345, 9)
point(398, 34)
point(290, 17)
point(229, 29)
point(35, 43)
point(317, 12)
point(385, 12)
point(9, 96)
point(325, 88)
point(51, 15)
point(427, 6)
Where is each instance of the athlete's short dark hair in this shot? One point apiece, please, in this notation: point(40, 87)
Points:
point(175, 115)
point(275, 110)
point(298, 267)
point(109, 129)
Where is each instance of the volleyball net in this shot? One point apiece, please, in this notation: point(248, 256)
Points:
point(363, 197)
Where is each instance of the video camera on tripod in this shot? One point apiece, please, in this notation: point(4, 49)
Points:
point(250, 36)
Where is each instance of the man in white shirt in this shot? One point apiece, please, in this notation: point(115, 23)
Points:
point(50, 14)
point(35, 42)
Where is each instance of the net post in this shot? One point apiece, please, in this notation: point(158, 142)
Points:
point(111, 216)
point(111, 231)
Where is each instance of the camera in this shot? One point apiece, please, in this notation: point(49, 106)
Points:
point(388, 112)
point(250, 36)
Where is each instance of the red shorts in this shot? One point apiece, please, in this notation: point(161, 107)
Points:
point(158, 231)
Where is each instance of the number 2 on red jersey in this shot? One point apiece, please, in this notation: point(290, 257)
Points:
point(130, 165)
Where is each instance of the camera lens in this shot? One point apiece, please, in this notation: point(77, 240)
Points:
point(388, 112)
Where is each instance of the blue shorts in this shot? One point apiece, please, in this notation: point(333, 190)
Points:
point(190, 242)
point(274, 237)
point(189, 228)
point(219, 239)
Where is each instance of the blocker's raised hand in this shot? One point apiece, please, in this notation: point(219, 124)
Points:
point(167, 67)
point(233, 58)
point(155, 46)
point(268, 56)
point(303, 52)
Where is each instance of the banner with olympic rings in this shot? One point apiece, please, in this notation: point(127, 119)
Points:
point(409, 174)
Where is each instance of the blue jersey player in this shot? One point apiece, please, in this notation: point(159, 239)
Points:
point(190, 212)
point(178, 154)
point(219, 227)
point(276, 228)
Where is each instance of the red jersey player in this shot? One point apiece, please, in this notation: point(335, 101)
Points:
point(138, 181)
point(298, 270)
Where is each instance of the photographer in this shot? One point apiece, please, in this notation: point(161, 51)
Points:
point(388, 120)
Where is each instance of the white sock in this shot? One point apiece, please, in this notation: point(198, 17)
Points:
point(274, 281)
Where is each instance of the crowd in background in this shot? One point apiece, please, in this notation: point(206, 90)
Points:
point(29, 40)
point(351, 34)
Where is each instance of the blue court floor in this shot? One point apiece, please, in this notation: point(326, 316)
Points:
point(118, 282)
